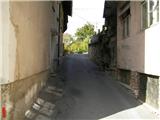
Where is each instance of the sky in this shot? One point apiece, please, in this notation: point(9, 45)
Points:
point(84, 11)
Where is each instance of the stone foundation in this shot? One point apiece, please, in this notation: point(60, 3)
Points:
point(134, 82)
point(145, 87)
point(18, 96)
point(153, 91)
point(123, 76)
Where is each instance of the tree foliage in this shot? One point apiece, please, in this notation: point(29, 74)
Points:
point(81, 41)
point(85, 32)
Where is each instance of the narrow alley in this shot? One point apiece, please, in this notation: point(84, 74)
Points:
point(79, 60)
point(94, 95)
point(90, 94)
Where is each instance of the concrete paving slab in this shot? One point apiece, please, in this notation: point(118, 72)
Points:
point(49, 105)
point(46, 111)
point(58, 94)
point(42, 117)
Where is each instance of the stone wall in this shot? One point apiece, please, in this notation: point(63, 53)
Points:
point(102, 50)
point(18, 96)
point(124, 76)
point(145, 87)
point(153, 91)
point(134, 82)
point(94, 53)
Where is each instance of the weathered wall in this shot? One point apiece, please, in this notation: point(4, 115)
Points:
point(153, 91)
point(94, 52)
point(18, 96)
point(26, 37)
point(54, 37)
point(32, 24)
point(139, 51)
point(130, 51)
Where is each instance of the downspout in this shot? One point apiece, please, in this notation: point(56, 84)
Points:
point(59, 30)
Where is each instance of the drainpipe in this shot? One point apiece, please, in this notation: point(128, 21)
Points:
point(59, 31)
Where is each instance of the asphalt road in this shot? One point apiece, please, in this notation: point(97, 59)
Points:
point(90, 94)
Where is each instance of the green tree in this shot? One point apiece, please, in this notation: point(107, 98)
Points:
point(82, 35)
point(85, 32)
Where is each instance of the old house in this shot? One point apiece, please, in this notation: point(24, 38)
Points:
point(137, 45)
point(130, 40)
point(138, 65)
point(30, 48)
point(102, 48)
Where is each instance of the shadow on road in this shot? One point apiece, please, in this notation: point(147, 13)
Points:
point(79, 91)
point(91, 94)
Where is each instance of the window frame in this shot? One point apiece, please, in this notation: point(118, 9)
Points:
point(150, 18)
point(126, 26)
point(142, 15)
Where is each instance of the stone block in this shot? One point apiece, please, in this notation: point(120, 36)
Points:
point(134, 82)
point(40, 101)
point(30, 114)
point(36, 107)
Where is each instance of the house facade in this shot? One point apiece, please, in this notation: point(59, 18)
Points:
point(30, 48)
point(138, 27)
point(130, 43)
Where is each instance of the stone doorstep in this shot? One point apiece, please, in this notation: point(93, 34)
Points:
point(47, 109)
point(40, 101)
point(30, 114)
point(53, 90)
point(36, 107)
point(53, 74)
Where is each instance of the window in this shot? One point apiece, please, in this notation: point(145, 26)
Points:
point(126, 26)
point(126, 23)
point(150, 13)
point(144, 15)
